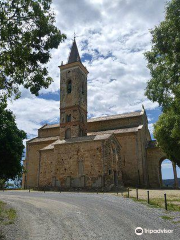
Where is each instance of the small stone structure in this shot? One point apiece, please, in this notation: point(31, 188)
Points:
point(103, 152)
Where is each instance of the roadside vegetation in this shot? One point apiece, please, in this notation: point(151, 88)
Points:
point(164, 86)
point(7, 216)
point(156, 198)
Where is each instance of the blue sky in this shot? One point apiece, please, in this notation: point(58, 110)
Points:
point(112, 37)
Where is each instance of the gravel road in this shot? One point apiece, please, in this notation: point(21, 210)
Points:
point(83, 216)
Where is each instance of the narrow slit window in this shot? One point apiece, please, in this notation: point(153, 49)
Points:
point(83, 88)
point(69, 87)
point(68, 118)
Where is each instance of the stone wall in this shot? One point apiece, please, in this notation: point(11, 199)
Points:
point(78, 77)
point(129, 153)
point(48, 132)
point(154, 158)
point(31, 163)
point(81, 165)
point(96, 126)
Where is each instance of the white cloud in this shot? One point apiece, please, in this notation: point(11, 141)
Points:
point(151, 128)
point(115, 34)
point(32, 112)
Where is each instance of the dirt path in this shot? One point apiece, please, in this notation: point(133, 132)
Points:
point(76, 216)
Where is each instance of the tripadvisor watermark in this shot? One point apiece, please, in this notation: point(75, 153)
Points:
point(140, 231)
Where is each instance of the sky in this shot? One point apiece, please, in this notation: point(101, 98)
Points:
point(112, 37)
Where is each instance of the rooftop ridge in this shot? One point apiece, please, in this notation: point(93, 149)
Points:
point(104, 118)
point(122, 115)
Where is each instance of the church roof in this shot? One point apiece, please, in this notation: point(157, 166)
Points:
point(112, 117)
point(105, 118)
point(117, 131)
point(37, 139)
point(97, 137)
point(50, 126)
point(74, 54)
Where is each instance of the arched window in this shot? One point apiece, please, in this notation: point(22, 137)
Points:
point(68, 133)
point(69, 87)
point(68, 118)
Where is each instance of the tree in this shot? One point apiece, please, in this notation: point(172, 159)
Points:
point(164, 58)
point(164, 85)
point(167, 132)
point(27, 34)
point(11, 145)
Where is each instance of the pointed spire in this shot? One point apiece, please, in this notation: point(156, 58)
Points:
point(74, 54)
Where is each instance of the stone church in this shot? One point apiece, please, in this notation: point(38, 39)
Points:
point(104, 152)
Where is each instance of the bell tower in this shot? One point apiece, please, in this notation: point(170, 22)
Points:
point(73, 96)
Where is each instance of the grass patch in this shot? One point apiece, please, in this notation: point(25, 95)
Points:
point(159, 203)
point(152, 205)
point(167, 217)
point(177, 222)
point(7, 215)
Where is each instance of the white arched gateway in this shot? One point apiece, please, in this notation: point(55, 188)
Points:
point(164, 165)
point(155, 160)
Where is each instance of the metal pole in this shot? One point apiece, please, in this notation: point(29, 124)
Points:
point(137, 193)
point(97, 190)
point(128, 192)
point(148, 196)
point(165, 200)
